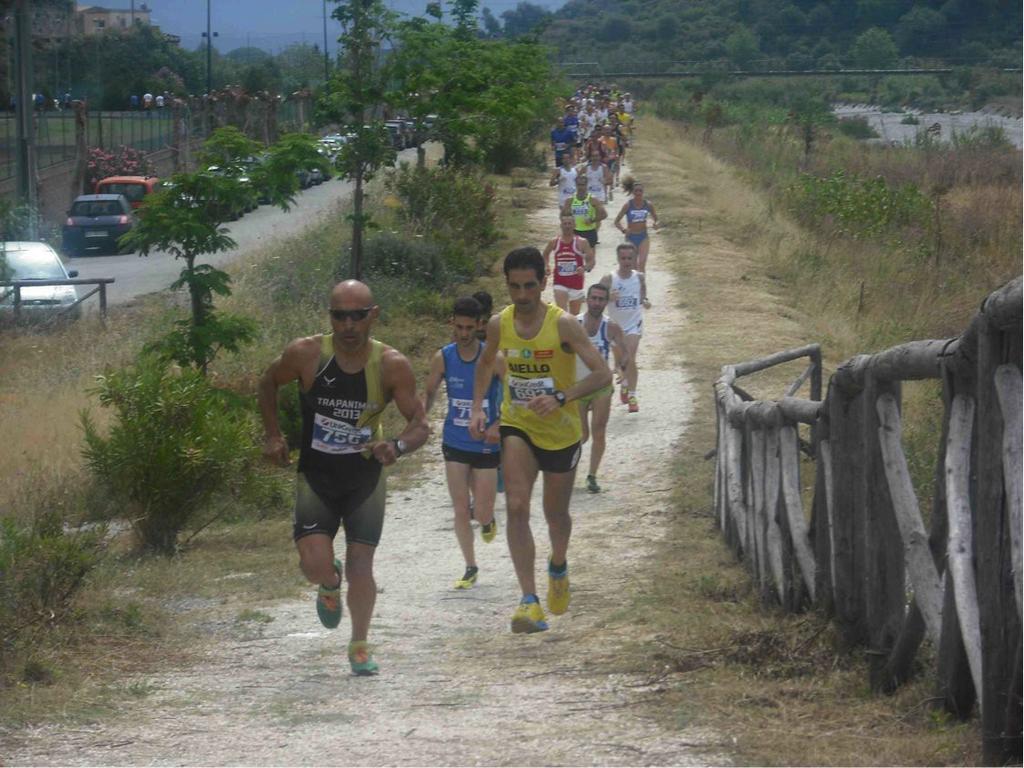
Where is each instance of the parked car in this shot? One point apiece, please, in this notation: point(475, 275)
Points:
point(396, 131)
point(95, 222)
point(239, 171)
point(38, 261)
point(135, 188)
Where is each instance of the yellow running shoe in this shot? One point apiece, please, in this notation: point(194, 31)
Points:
point(468, 578)
point(528, 616)
point(489, 531)
point(558, 590)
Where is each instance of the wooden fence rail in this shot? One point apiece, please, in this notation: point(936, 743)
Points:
point(863, 553)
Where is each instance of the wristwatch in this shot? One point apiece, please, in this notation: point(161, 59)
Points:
point(400, 447)
point(559, 395)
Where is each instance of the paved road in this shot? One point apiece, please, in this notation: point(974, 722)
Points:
point(136, 276)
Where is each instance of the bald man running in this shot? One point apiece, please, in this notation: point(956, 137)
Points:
point(346, 380)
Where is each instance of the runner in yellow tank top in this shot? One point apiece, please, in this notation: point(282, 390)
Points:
point(538, 432)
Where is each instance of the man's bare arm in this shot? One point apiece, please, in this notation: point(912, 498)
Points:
point(286, 368)
point(484, 373)
point(401, 383)
point(571, 333)
point(588, 256)
point(433, 381)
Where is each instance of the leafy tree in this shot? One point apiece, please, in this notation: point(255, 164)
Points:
point(666, 27)
point(301, 66)
point(464, 13)
point(615, 28)
point(922, 31)
point(808, 111)
point(106, 69)
point(879, 13)
point(524, 19)
point(743, 47)
point(492, 27)
point(186, 220)
point(874, 49)
point(247, 56)
point(488, 96)
point(175, 444)
point(352, 99)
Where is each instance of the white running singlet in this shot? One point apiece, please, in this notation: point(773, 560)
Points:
point(566, 184)
point(595, 182)
point(600, 340)
point(625, 307)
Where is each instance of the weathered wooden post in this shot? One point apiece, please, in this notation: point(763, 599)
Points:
point(81, 149)
point(846, 439)
point(772, 494)
point(997, 609)
point(821, 517)
point(885, 578)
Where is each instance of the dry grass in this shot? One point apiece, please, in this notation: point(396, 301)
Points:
point(771, 684)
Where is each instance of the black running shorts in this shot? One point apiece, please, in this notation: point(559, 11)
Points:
point(474, 459)
point(590, 235)
point(360, 510)
point(561, 460)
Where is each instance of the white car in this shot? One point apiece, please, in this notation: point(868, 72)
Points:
point(37, 261)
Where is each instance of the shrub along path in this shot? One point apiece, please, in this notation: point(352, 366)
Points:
point(456, 686)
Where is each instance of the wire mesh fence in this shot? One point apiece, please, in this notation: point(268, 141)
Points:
point(145, 130)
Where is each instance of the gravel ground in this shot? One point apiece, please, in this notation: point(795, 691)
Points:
point(456, 687)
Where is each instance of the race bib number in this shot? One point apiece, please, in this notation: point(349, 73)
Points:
point(462, 409)
point(627, 302)
point(337, 437)
point(581, 210)
point(522, 391)
point(567, 268)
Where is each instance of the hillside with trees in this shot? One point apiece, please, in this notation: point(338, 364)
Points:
point(774, 34)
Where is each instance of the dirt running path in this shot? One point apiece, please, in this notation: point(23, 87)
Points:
point(457, 688)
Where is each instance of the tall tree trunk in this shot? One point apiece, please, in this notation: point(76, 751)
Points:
point(198, 303)
point(357, 226)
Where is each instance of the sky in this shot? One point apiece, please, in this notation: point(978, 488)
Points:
point(268, 24)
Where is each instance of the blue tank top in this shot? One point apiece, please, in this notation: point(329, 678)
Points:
point(458, 380)
point(636, 215)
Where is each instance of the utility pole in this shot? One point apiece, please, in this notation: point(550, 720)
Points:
point(209, 52)
point(133, 14)
point(26, 154)
point(327, 68)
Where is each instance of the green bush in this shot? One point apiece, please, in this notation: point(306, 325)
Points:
point(42, 567)
point(857, 206)
point(421, 260)
point(857, 128)
point(447, 204)
point(507, 150)
point(176, 444)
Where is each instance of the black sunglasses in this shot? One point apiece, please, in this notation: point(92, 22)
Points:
point(341, 315)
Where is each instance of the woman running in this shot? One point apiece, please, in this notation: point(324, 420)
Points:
point(636, 212)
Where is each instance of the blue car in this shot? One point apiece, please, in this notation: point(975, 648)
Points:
point(95, 222)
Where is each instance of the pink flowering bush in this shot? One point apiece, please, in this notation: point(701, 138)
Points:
point(123, 161)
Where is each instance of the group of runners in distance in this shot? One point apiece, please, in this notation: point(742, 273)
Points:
point(526, 387)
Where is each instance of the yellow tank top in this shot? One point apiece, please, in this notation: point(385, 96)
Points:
point(538, 366)
point(581, 211)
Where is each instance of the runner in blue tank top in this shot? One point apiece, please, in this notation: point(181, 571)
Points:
point(470, 464)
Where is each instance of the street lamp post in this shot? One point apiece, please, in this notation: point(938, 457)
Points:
point(327, 70)
point(209, 35)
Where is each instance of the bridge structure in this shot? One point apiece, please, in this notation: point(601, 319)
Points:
point(693, 70)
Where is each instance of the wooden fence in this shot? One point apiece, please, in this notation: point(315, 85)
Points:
point(863, 554)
